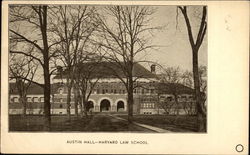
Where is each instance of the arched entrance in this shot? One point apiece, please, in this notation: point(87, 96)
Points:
point(120, 106)
point(105, 105)
point(89, 105)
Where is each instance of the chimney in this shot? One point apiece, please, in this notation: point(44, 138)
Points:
point(153, 68)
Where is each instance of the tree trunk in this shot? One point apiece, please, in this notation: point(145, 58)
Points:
point(177, 104)
point(200, 114)
point(81, 107)
point(76, 96)
point(43, 27)
point(130, 100)
point(47, 119)
point(23, 102)
point(68, 99)
point(84, 106)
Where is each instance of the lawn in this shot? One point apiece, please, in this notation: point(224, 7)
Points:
point(169, 122)
point(107, 123)
point(58, 123)
point(96, 123)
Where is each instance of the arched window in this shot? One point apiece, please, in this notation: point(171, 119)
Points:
point(105, 105)
point(60, 91)
point(120, 106)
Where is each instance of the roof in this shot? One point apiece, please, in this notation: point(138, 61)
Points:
point(163, 88)
point(33, 89)
point(169, 88)
point(109, 70)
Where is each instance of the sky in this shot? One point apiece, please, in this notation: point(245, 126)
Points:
point(174, 47)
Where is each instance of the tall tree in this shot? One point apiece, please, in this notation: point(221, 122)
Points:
point(29, 29)
point(125, 34)
point(73, 26)
point(86, 77)
point(195, 45)
point(20, 69)
point(173, 77)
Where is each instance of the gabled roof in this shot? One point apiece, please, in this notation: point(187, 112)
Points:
point(109, 70)
point(33, 89)
point(170, 88)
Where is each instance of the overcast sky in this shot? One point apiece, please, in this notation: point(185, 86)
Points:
point(172, 40)
point(174, 47)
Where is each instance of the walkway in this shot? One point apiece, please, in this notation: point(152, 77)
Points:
point(156, 129)
point(102, 122)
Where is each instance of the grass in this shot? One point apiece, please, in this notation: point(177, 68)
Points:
point(96, 123)
point(169, 122)
point(110, 124)
point(36, 122)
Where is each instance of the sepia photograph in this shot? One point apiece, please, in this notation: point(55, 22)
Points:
point(107, 68)
point(125, 77)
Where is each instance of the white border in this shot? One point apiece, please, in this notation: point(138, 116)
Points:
point(228, 94)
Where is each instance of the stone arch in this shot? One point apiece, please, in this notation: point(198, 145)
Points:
point(94, 102)
point(89, 105)
point(102, 98)
point(124, 104)
point(120, 106)
point(105, 105)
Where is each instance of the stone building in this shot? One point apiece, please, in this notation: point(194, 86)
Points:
point(108, 95)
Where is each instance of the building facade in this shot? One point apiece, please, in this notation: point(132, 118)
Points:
point(108, 95)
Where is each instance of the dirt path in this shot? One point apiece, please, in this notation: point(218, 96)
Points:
point(103, 122)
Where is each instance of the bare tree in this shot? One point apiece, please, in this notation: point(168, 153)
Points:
point(173, 77)
point(73, 26)
point(21, 69)
point(195, 45)
point(86, 77)
point(29, 29)
point(125, 33)
point(167, 105)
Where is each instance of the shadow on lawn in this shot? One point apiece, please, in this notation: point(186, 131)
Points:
point(58, 123)
point(174, 123)
point(101, 122)
point(96, 123)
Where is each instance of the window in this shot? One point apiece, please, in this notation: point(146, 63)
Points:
point(42, 99)
point(60, 106)
point(15, 99)
point(98, 91)
point(35, 99)
point(169, 98)
point(183, 98)
point(123, 91)
point(103, 91)
point(11, 99)
point(115, 91)
point(152, 105)
point(152, 91)
point(60, 91)
point(29, 99)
